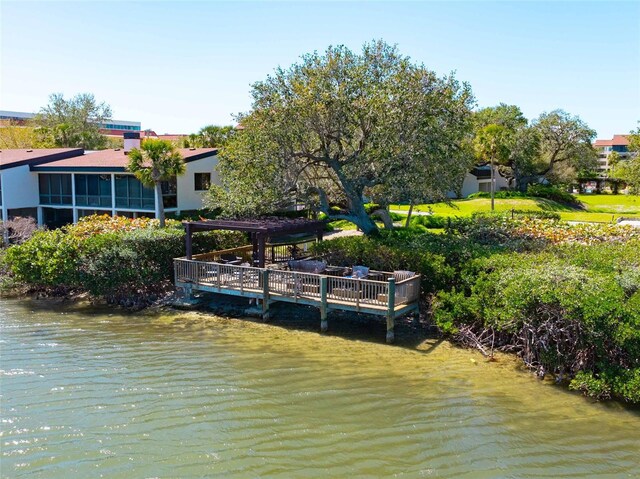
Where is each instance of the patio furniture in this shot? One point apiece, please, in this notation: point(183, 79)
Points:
point(360, 272)
point(307, 266)
point(228, 258)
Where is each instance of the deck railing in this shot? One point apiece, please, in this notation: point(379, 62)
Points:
point(361, 293)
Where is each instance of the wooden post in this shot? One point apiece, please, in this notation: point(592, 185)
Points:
point(324, 324)
point(390, 310)
point(188, 238)
point(265, 294)
point(261, 250)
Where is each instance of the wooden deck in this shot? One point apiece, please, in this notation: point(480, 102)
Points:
point(383, 296)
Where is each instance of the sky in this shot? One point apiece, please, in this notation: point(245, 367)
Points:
point(178, 66)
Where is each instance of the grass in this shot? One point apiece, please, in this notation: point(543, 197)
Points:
point(596, 208)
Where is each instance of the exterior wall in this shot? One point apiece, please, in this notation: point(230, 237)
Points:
point(19, 188)
point(472, 184)
point(188, 197)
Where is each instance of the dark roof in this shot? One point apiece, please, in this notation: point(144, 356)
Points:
point(114, 160)
point(265, 226)
point(481, 172)
point(20, 157)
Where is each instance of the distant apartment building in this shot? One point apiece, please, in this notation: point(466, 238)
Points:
point(619, 144)
point(111, 128)
point(60, 185)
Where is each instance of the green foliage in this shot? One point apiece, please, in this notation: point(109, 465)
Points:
point(552, 193)
point(75, 122)
point(429, 221)
point(118, 259)
point(154, 162)
point(210, 136)
point(339, 123)
point(499, 194)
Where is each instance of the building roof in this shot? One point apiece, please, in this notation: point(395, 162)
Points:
point(617, 140)
point(61, 159)
point(20, 157)
point(113, 160)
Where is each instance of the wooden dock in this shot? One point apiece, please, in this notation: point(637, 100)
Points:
point(380, 294)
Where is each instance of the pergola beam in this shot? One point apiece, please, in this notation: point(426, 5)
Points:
point(259, 230)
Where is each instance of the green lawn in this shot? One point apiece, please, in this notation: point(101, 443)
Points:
point(596, 208)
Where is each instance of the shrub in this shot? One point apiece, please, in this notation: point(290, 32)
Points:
point(429, 221)
point(49, 258)
point(499, 194)
point(115, 258)
point(552, 193)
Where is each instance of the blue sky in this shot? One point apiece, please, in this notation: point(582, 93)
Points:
point(177, 66)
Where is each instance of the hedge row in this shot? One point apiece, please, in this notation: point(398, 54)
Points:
point(117, 259)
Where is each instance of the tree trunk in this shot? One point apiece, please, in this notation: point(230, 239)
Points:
point(493, 186)
point(408, 221)
point(384, 215)
point(159, 204)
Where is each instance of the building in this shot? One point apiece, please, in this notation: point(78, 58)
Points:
point(619, 144)
point(479, 180)
point(58, 186)
point(110, 128)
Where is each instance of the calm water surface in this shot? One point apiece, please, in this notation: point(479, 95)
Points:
point(89, 394)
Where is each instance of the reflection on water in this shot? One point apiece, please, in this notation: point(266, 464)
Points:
point(91, 394)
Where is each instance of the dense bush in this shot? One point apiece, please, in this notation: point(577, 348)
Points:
point(115, 258)
point(500, 194)
point(557, 312)
point(566, 299)
point(552, 193)
point(429, 221)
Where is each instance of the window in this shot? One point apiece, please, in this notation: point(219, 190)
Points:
point(55, 189)
point(202, 181)
point(93, 190)
point(169, 193)
point(130, 193)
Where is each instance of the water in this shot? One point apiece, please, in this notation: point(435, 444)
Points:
point(90, 394)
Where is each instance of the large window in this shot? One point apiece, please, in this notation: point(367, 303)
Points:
point(170, 193)
point(93, 190)
point(55, 189)
point(130, 193)
point(202, 181)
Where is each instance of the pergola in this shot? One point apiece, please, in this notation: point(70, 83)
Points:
point(260, 230)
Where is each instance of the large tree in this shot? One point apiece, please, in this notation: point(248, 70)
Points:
point(156, 161)
point(334, 125)
point(565, 146)
point(74, 122)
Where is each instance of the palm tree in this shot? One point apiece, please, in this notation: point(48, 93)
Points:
point(491, 146)
point(156, 161)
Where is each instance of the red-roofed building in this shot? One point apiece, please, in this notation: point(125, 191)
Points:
point(58, 186)
point(619, 144)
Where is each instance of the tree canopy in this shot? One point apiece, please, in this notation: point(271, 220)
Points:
point(339, 124)
point(210, 136)
point(156, 161)
point(74, 123)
